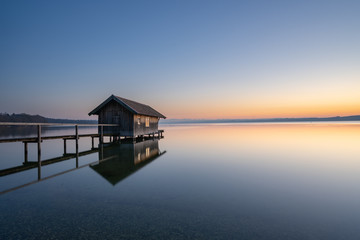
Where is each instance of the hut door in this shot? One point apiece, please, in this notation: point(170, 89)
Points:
point(116, 120)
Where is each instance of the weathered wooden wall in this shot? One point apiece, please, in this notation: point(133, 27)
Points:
point(141, 129)
point(114, 113)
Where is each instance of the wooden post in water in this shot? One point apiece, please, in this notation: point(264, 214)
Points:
point(39, 152)
point(92, 142)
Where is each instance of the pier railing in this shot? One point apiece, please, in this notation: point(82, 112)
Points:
point(39, 138)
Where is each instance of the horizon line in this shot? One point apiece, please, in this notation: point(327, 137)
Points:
point(251, 119)
point(357, 117)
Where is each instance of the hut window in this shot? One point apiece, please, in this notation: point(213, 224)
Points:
point(147, 122)
point(138, 120)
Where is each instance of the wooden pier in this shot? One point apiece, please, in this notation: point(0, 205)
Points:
point(26, 165)
point(39, 139)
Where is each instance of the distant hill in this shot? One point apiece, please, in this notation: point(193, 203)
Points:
point(23, 117)
point(262, 120)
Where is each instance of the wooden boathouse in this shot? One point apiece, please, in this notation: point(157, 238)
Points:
point(134, 119)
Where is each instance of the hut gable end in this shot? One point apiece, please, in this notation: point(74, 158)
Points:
point(132, 106)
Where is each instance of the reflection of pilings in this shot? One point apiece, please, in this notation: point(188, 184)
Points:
point(152, 135)
point(102, 151)
point(31, 165)
point(40, 138)
point(77, 159)
point(25, 152)
point(39, 164)
point(77, 145)
point(77, 137)
point(39, 151)
point(64, 146)
point(49, 177)
point(39, 170)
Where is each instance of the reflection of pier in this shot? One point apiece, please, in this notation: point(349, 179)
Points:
point(151, 150)
point(39, 139)
point(126, 158)
point(29, 165)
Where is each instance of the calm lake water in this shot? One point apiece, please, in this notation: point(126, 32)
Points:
point(220, 181)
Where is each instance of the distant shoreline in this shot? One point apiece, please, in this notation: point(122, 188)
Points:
point(23, 117)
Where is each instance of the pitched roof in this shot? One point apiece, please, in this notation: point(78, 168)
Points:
point(132, 106)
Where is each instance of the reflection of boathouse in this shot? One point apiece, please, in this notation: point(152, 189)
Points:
point(121, 160)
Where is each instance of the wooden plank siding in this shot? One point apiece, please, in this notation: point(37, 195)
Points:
point(141, 129)
point(134, 119)
point(114, 113)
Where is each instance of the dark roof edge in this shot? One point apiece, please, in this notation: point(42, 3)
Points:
point(158, 114)
point(112, 97)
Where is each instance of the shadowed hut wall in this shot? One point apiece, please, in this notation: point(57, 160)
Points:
point(140, 125)
point(114, 113)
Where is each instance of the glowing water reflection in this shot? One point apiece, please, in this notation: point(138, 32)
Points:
point(220, 181)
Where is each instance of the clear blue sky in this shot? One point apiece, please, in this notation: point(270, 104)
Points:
point(187, 59)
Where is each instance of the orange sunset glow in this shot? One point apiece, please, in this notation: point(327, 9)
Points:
point(266, 110)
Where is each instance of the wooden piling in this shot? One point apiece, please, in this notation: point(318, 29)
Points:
point(39, 141)
point(101, 139)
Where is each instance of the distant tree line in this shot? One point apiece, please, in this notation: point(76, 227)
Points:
point(11, 131)
point(23, 117)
